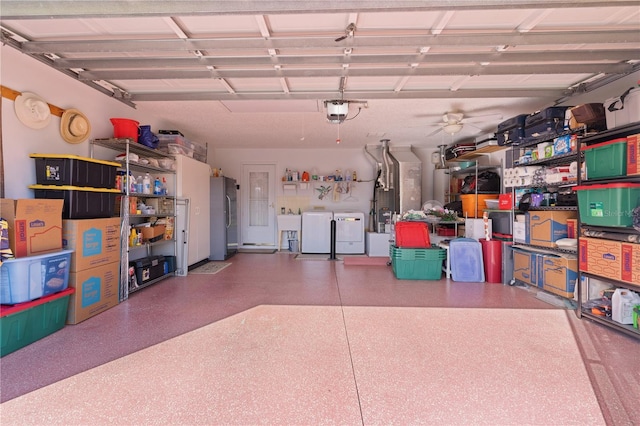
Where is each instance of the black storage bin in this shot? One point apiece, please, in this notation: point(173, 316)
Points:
point(73, 170)
point(80, 202)
point(511, 130)
point(549, 122)
point(148, 268)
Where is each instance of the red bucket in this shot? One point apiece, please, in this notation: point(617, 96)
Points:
point(125, 128)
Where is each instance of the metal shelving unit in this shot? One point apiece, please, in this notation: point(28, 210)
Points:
point(583, 310)
point(129, 253)
point(556, 160)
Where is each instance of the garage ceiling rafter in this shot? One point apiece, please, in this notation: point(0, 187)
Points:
point(436, 55)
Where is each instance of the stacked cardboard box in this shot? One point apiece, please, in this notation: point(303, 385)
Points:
point(556, 274)
point(95, 265)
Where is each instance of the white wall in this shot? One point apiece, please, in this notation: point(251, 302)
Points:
point(325, 161)
point(24, 74)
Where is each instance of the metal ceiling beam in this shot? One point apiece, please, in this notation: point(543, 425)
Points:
point(525, 69)
point(496, 38)
point(563, 56)
point(20, 9)
point(416, 94)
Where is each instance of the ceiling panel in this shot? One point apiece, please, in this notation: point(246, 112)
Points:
point(262, 58)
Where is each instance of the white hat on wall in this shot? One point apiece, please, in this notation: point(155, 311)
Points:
point(32, 110)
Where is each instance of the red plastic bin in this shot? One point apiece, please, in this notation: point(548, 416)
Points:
point(412, 235)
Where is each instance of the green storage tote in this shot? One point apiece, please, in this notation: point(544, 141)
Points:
point(25, 323)
point(417, 264)
point(606, 159)
point(609, 204)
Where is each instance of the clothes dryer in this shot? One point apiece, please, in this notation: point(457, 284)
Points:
point(349, 232)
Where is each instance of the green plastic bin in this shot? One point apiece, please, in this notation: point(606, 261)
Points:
point(25, 323)
point(606, 159)
point(609, 204)
point(417, 264)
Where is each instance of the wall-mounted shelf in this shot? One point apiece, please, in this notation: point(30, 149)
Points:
point(480, 152)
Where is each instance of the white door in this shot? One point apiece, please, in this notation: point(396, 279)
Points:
point(258, 204)
point(194, 178)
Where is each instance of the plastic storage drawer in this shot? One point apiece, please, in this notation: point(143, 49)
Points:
point(412, 235)
point(608, 204)
point(54, 169)
point(27, 278)
point(23, 324)
point(80, 202)
point(417, 264)
point(606, 159)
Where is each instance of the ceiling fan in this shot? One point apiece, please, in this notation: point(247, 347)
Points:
point(453, 122)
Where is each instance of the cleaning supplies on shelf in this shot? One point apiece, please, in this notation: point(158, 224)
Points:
point(157, 186)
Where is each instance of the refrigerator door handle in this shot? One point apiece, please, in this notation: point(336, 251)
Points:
point(228, 211)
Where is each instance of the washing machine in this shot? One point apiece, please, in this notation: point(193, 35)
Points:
point(316, 231)
point(349, 232)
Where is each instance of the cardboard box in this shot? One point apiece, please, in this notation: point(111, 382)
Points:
point(616, 260)
point(35, 225)
point(633, 146)
point(525, 267)
point(546, 227)
point(95, 242)
point(559, 274)
point(152, 233)
point(96, 291)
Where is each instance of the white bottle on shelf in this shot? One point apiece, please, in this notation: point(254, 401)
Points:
point(146, 184)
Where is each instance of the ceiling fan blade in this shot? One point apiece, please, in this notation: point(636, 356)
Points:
point(439, 129)
point(482, 118)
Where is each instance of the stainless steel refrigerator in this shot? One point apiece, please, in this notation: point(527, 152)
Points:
point(224, 222)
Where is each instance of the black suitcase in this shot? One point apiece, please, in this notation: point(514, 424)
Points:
point(454, 151)
point(511, 130)
point(549, 122)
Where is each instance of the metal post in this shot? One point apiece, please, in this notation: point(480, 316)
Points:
point(332, 256)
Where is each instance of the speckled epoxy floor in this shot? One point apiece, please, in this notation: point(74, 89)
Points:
point(273, 340)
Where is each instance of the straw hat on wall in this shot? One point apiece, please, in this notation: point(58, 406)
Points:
point(74, 126)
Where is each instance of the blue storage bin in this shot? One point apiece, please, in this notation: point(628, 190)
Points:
point(27, 278)
point(465, 256)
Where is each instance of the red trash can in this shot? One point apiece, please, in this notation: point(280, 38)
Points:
point(492, 255)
